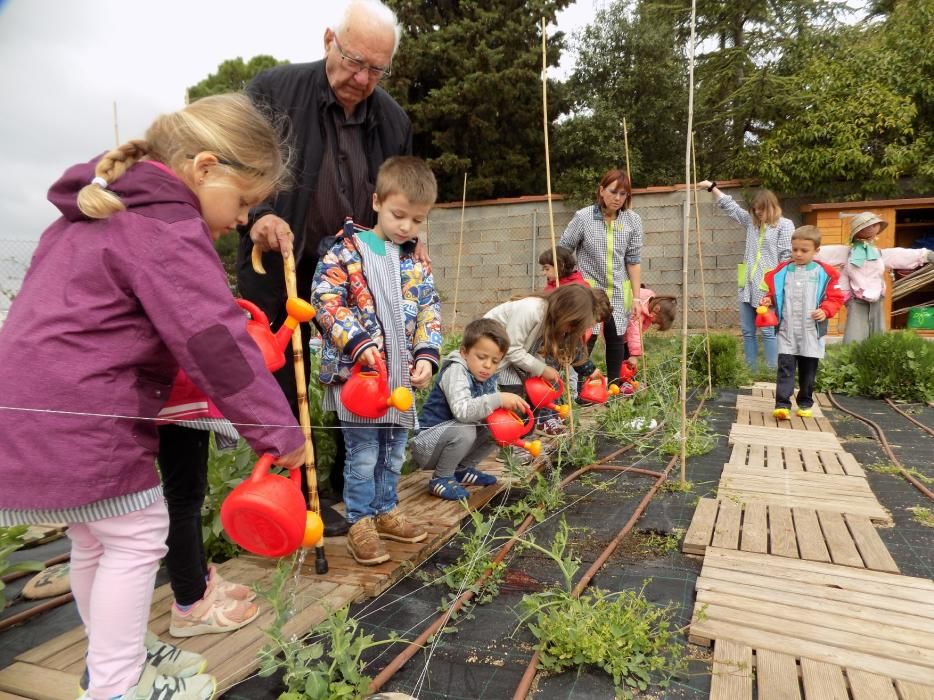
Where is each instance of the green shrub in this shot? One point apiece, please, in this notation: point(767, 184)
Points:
point(727, 367)
point(897, 365)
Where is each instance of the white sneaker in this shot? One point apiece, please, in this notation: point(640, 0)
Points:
point(154, 686)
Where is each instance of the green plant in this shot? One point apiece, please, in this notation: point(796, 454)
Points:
point(544, 495)
point(700, 440)
point(323, 423)
point(477, 545)
point(925, 516)
point(328, 667)
point(226, 469)
point(622, 633)
point(579, 450)
point(896, 365)
point(11, 539)
point(895, 470)
point(727, 367)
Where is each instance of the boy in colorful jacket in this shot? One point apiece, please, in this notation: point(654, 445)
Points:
point(376, 303)
point(805, 293)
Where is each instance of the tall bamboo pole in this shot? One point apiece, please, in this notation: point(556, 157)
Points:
point(645, 364)
point(684, 253)
point(626, 147)
point(460, 252)
point(700, 262)
point(304, 415)
point(551, 213)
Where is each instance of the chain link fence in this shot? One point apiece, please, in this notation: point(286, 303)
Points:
point(14, 261)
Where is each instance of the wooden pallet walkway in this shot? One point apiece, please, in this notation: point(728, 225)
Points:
point(51, 670)
point(846, 618)
point(738, 668)
point(767, 390)
point(762, 404)
point(799, 533)
point(783, 457)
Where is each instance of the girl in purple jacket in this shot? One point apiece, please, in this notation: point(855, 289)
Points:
point(125, 288)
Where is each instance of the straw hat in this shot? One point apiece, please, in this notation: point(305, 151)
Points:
point(863, 221)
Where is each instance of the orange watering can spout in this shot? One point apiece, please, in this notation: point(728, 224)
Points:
point(507, 428)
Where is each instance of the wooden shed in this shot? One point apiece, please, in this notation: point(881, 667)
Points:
point(909, 222)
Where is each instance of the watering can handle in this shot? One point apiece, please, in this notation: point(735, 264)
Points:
point(255, 312)
point(380, 365)
point(263, 465)
point(530, 419)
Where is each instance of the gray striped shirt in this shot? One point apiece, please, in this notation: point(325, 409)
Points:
point(99, 510)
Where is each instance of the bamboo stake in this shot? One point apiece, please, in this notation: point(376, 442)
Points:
point(626, 146)
point(460, 251)
point(644, 362)
point(304, 415)
point(551, 213)
point(684, 253)
point(700, 262)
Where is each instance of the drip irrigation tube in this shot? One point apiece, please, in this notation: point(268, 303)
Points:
point(439, 623)
point(914, 420)
point(885, 446)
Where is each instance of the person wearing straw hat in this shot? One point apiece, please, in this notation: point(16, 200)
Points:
point(862, 276)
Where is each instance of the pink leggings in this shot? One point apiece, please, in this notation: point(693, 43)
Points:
point(113, 572)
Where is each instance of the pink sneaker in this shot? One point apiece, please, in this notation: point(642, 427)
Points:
point(228, 589)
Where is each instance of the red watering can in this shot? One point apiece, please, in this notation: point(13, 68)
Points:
point(543, 395)
point(366, 393)
point(627, 371)
point(266, 513)
point(595, 390)
point(765, 317)
point(273, 345)
point(507, 429)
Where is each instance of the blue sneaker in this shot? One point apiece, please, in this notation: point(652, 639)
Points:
point(474, 477)
point(447, 488)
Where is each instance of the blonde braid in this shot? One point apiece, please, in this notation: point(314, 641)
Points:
point(94, 200)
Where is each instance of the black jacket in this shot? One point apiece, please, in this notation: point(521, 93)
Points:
point(299, 93)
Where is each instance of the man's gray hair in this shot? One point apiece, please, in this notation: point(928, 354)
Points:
point(378, 11)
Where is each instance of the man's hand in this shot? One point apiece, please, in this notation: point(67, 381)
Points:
point(819, 315)
point(513, 402)
point(551, 375)
point(421, 254)
point(272, 233)
point(293, 459)
point(421, 374)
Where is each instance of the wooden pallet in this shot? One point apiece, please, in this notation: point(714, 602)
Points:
point(737, 668)
point(802, 439)
point(859, 619)
point(762, 404)
point(767, 390)
point(51, 670)
point(823, 492)
point(799, 533)
point(778, 457)
point(766, 419)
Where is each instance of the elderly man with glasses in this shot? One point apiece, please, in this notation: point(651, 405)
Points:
point(342, 126)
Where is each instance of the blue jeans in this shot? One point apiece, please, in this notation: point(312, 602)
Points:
point(747, 323)
point(374, 457)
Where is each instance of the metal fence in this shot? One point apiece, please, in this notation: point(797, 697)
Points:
point(14, 261)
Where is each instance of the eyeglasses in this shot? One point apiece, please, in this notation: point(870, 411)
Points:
point(356, 65)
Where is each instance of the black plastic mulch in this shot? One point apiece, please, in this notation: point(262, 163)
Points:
point(486, 656)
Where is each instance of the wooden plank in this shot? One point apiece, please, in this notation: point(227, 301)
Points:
point(839, 542)
point(782, 541)
point(885, 583)
point(776, 675)
point(726, 530)
point(914, 691)
point(831, 463)
point(871, 547)
point(822, 400)
point(774, 457)
point(792, 459)
point(732, 671)
point(766, 405)
point(823, 424)
point(755, 534)
point(738, 455)
point(828, 483)
point(742, 633)
point(870, 686)
point(812, 461)
point(822, 681)
point(755, 435)
point(700, 531)
point(805, 603)
point(9, 696)
point(756, 455)
point(37, 682)
point(809, 535)
point(742, 416)
point(850, 465)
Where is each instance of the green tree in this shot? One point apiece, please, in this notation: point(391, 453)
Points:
point(629, 64)
point(232, 76)
point(469, 76)
point(861, 112)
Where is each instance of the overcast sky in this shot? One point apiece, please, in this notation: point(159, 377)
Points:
point(66, 62)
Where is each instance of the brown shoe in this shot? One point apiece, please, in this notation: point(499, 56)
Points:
point(363, 543)
point(394, 526)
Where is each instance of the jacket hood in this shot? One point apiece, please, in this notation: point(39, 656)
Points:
point(143, 185)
